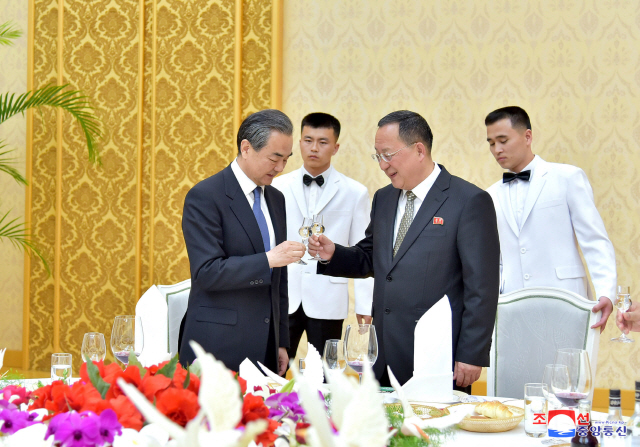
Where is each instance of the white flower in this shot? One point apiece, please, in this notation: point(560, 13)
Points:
point(32, 436)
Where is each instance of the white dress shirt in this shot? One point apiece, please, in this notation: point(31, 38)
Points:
point(518, 190)
point(421, 192)
point(313, 192)
point(247, 185)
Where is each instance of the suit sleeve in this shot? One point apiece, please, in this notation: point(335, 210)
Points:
point(592, 236)
point(356, 261)
point(363, 288)
point(479, 249)
point(211, 268)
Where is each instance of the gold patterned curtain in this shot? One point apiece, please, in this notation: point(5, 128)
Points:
point(171, 81)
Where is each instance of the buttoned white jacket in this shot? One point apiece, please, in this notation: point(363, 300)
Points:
point(345, 206)
point(558, 211)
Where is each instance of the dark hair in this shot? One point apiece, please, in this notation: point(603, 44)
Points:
point(257, 127)
point(319, 120)
point(518, 117)
point(411, 127)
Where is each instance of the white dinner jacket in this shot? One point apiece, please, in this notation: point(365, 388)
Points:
point(345, 206)
point(558, 210)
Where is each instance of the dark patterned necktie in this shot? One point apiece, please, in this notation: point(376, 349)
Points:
point(405, 223)
point(262, 222)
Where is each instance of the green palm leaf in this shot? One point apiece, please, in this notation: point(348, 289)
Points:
point(6, 165)
point(72, 101)
point(8, 33)
point(18, 234)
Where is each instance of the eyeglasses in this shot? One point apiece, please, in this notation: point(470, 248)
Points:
point(388, 157)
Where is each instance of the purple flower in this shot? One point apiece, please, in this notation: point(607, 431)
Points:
point(285, 405)
point(15, 420)
point(75, 430)
point(109, 426)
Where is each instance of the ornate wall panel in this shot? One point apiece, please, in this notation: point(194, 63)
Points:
point(572, 65)
point(178, 91)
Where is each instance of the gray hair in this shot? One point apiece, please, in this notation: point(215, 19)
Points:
point(257, 127)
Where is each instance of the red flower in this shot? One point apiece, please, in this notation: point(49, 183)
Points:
point(152, 385)
point(153, 370)
point(179, 405)
point(268, 438)
point(16, 394)
point(253, 408)
point(181, 375)
point(106, 372)
point(130, 375)
point(241, 382)
point(128, 414)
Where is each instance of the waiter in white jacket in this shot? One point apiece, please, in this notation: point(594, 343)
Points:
point(319, 304)
point(542, 210)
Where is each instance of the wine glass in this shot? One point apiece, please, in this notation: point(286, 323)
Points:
point(360, 346)
point(333, 356)
point(94, 347)
point(623, 302)
point(126, 335)
point(304, 232)
point(549, 370)
point(571, 380)
point(317, 228)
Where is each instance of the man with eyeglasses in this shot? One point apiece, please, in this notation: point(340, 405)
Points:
point(430, 234)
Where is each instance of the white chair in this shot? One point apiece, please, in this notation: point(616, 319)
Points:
point(177, 299)
point(531, 324)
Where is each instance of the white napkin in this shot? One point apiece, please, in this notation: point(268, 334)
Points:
point(273, 376)
point(152, 310)
point(249, 372)
point(432, 376)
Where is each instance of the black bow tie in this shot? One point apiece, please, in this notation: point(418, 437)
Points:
point(509, 176)
point(307, 179)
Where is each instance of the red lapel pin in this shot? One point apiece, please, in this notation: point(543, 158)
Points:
point(438, 221)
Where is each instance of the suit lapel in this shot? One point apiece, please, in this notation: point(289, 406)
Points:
point(535, 187)
point(279, 227)
point(385, 218)
point(298, 193)
point(432, 202)
point(507, 211)
point(329, 190)
point(240, 207)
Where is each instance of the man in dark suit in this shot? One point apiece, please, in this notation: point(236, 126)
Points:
point(430, 234)
point(234, 226)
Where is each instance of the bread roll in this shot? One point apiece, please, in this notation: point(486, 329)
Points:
point(493, 409)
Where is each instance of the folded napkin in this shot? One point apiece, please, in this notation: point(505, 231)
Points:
point(313, 370)
point(152, 310)
point(273, 376)
point(432, 376)
point(249, 372)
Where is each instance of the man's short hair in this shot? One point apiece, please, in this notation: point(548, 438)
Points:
point(257, 127)
point(518, 117)
point(319, 120)
point(412, 127)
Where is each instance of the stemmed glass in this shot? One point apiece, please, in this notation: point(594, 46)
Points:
point(126, 335)
point(304, 232)
point(549, 371)
point(623, 302)
point(333, 356)
point(94, 347)
point(317, 228)
point(360, 346)
point(571, 379)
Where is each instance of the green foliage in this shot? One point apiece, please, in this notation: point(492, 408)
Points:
point(288, 387)
point(133, 361)
point(8, 33)
point(169, 369)
point(18, 234)
point(96, 380)
point(11, 377)
point(6, 165)
point(187, 380)
point(436, 437)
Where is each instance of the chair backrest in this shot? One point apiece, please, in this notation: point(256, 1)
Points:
point(177, 298)
point(531, 324)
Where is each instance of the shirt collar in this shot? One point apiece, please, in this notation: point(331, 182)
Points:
point(246, 184)
point(423, 187)
point(326, 174)
point(531, 166)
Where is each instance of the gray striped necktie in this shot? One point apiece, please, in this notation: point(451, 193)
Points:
point(405, 223)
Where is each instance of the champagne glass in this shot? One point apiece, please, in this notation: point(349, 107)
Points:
point(623, 302)
point(360, 346)
point(571, 381)
point(317, 228)
point(94, 347)
point(126, 335)
point(333, 356)
point(304, 232)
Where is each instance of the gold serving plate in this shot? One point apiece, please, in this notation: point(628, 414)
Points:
point(495, 425)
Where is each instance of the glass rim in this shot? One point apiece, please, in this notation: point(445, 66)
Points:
point(61, 353)
point(126, 316)
point(536, 385)
point(93, 333)
point(571, 350)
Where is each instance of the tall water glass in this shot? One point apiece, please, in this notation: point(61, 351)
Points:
point(61, 367)
point(535, 409)
point(333, 356)
point(623, 302)
point(126, 336)
point(94, 347)
point(360, 346)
